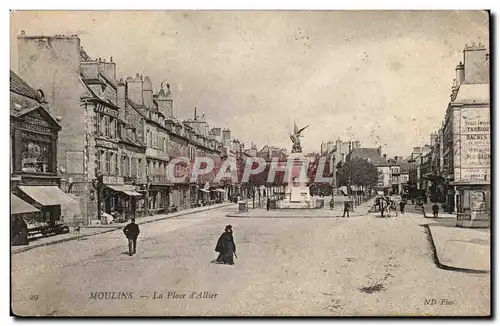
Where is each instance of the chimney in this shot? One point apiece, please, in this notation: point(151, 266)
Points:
point(379, 150)
point(460, 74)
point(476, 71)
point(385, 156)
point(134, 89)
point(195, 113)
point(147, 92)
point(121, 94)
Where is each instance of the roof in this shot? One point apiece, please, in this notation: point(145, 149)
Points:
point(370, 154)
point(473, 94)
point(19, 86)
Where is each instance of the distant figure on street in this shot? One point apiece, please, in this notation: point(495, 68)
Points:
point(131, 232)
point(332, 203)
point(226, 247)
point(402, 207)
point(346, 209)
point(435, 210)
point(268, 204)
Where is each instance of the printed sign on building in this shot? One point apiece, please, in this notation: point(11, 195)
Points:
point(475, 138)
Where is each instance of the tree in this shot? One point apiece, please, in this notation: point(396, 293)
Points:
point(360, 171)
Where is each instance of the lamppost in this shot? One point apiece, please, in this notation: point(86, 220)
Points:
point(146, 199)
point(98, 184)
point(350, 173)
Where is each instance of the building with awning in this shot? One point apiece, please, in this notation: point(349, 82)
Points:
point(34, 177)
point(51, 201)
point(129, 190)
point(19, 206)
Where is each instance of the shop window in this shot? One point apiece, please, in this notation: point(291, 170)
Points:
point(35, 156)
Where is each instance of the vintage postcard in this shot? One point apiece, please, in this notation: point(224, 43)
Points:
point(250, 163)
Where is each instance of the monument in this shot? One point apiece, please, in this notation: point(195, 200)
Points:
point(297, 193)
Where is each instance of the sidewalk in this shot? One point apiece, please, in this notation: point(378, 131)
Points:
point(460, 249)
point(325, 212)
point(441, 214)
point(87, 231)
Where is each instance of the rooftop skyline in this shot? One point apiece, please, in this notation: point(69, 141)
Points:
point(383, 78)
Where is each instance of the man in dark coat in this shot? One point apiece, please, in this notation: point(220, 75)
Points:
point(131, 232)
point(346, 209)
point(402, 206)
point(435, 210)
point(226, 247)
point(268, 204)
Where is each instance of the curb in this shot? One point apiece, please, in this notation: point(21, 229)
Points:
point(448, 267)
point(106, 230)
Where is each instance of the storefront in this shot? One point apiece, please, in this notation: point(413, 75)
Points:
point(119, 199)
point(473, 203)
point(34, 176)
point(20, 211)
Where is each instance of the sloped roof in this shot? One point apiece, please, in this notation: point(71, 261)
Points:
point(19, 86)
point(473, 93)
point(370, 154)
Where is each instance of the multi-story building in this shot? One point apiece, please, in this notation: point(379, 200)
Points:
point(34, 173)
point(466, 134)
point(84, 93)
point(119, 130)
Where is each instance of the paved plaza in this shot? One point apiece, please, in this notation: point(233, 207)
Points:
point(331, 267)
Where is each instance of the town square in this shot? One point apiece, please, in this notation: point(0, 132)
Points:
point(250, 163)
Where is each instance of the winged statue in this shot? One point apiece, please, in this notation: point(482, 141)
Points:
point(295, 138)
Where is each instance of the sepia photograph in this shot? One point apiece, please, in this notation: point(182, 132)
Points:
point(250, 163)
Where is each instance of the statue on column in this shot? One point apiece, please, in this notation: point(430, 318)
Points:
point(295, 138)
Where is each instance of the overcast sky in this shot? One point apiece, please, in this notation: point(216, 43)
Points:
point(383, 78)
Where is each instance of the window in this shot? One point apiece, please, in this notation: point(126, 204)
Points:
point(125, 166)
point(99, 124)
point(107, 162)
point(106, 125)
point(139, 168)
point(149, 139)
point(100, 160)
point(133, 166)
point(35, 156)
point(113, 128)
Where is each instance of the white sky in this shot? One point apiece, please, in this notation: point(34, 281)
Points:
point(381, 77)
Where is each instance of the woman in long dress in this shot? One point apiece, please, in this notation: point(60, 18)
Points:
point(226, 247)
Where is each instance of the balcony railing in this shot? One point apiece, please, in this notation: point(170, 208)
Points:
point(160, 179)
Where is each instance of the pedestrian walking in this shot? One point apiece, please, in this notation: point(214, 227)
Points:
point(402, 207)
point(346, 209)
point(226, 247)
point(268, 204)
point(131, 231)
point(435, 210)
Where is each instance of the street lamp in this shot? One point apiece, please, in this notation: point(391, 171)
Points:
point(98, 184)
point(146, 188)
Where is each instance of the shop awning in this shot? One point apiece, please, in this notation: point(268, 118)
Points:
point(205, 190)
point(19, 206)
point(131, 193)
point(126, 189)
point(47, 195)
point(220, 190)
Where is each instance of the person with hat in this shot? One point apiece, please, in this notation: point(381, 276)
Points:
point(226, 247)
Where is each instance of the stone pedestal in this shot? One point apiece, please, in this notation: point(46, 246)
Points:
point(297, 193)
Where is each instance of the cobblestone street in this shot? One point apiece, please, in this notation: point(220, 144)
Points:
point(359, 266)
